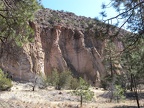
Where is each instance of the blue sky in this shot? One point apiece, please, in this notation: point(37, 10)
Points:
point(88, 8)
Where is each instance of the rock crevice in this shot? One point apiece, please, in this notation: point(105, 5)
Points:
point(62, 47)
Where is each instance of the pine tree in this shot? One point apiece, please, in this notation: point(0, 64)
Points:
point(131, 12)
point(15, 16)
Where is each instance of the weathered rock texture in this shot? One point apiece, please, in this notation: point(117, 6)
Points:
point(62, 45)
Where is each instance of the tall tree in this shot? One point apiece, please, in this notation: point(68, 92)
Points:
point(131, 12)
point(14, 21)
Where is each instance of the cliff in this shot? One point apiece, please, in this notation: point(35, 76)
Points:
point(62, 41)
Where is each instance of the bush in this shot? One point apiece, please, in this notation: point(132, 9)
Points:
point(74, 83)
point(119, 93)
point(83, 91)
point(5, 83)
point(115, 85)
point(105, 82)
point(60, 79)
point(53, 79)
point(64, 80)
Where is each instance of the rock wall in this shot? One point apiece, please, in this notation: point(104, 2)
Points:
point(66, 48)
point(60, 47)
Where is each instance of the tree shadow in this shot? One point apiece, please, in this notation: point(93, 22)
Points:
point(128, 95)
point(125, 107)
point(131, 95)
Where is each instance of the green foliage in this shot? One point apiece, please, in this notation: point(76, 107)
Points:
point(74, 83)
point(83, 91)
point(83, 84)
point(129, 11)
point(116, 85)
point(62, 80)
point(119, 93)
point(65, 79)
point(106, 81)
point(132, 62)
point(53, 79)
point(14, 20)
point(5, 83)
point(111, 57)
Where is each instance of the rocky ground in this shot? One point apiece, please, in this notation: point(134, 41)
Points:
point(22, 96)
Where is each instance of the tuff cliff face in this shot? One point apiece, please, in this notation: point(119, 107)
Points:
point(65, 48)
point(59, 45)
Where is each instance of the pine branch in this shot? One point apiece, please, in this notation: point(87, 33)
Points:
point(125, 11)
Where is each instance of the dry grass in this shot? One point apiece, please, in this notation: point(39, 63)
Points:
point(21, 96)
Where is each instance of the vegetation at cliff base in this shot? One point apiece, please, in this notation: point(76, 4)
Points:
point(61, 80)
point(65, 80)
point(5, 83)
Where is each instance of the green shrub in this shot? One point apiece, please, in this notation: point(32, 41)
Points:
point(116, 85)
point(53, 79)
point(83, 91)
point(74, 83)
point(60, 79)
point(119, 93)
point(5, 83)
point(105, 82)
point(65, 79)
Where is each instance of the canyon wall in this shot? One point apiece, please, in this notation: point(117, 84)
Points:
point(58, 46)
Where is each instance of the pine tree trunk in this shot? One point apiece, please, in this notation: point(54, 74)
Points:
point(135, 91)
point(131, 83)
point(81, 100)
